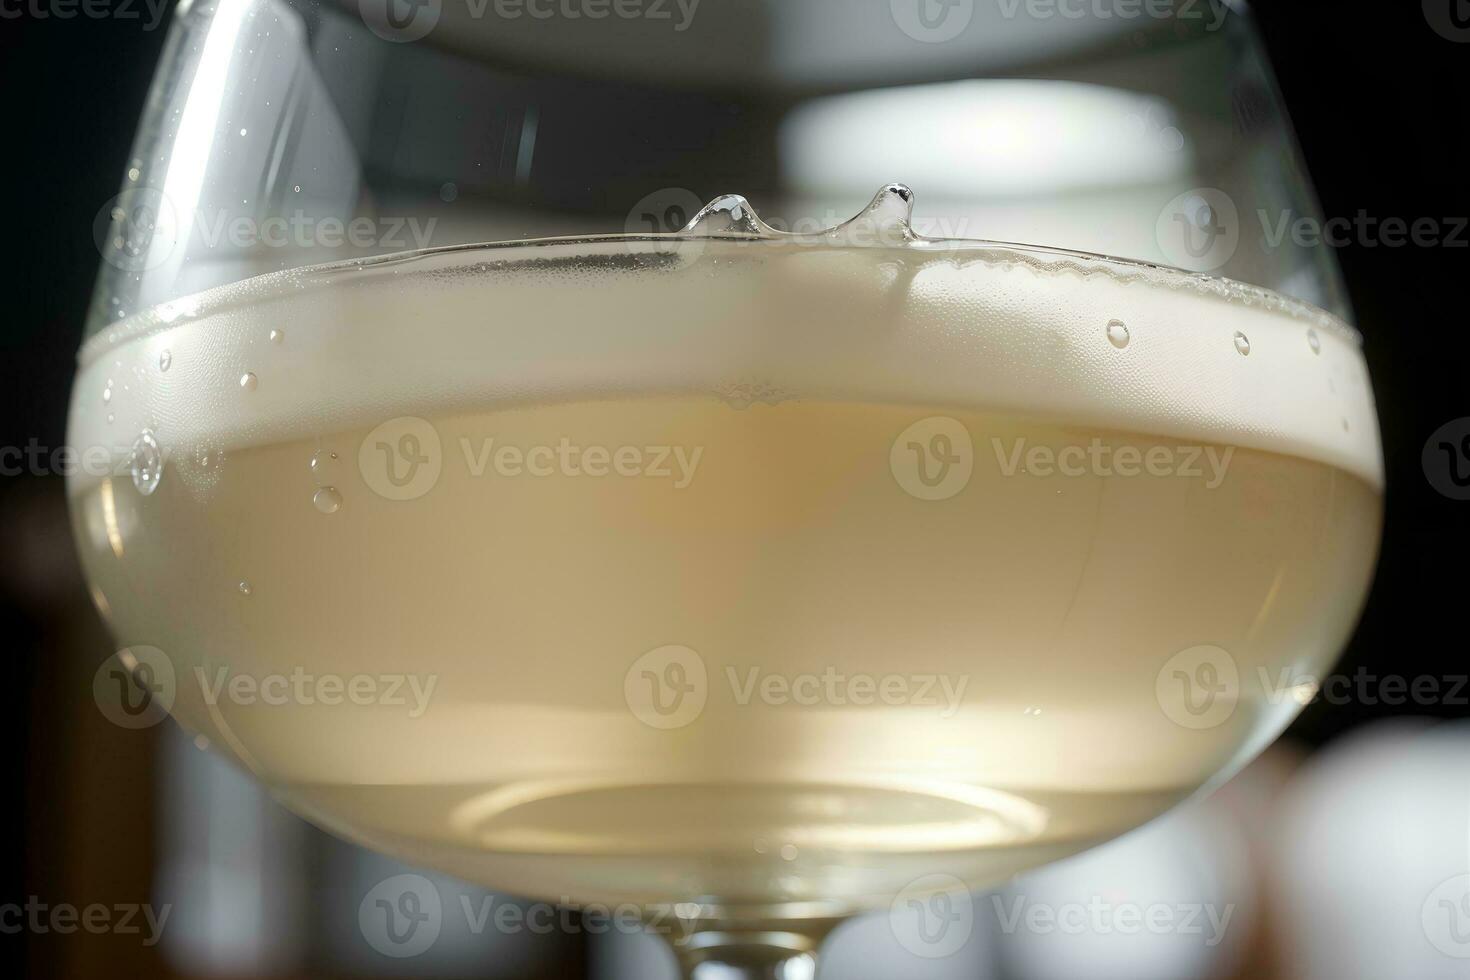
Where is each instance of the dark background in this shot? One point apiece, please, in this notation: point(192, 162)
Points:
point(1378, 101)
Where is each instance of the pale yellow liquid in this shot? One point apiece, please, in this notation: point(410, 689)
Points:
point(792, 547)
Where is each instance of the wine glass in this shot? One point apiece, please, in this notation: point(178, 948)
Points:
point(514, 500)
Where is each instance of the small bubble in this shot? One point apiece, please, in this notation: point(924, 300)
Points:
point(448, 192)
point(201, 742)
point(1242, 343)
point(761, 846)
point(277, 336)
point(244, 587)
point(788, 852)
point(297, 188)
point(249, 381)
point(1117, 334)
point(107, 393)
point(1313, 341)
point(242, 131)
point(111, 418)
point(164, 360)
point(320, 459)
point(146, 463)
point(134, 173)
point(327, 500)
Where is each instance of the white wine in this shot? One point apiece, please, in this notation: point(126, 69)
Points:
point(757, 572)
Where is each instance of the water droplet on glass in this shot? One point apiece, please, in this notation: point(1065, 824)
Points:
point(1242, 343)
point(327, 500)
point(320, 459)
point(1117, 334)
point(249, 381)
point(146, 463)
point(277, 336)
point(1314, 342)
point(164, 360)
point(111, 418)
point(245, 588)
point(107, 393)
point(201, 742)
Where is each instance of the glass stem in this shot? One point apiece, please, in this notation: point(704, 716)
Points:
point(776, 951)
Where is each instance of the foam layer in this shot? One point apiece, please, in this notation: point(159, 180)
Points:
point(739, 317)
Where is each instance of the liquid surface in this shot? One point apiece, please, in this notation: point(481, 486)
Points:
point(751, 573)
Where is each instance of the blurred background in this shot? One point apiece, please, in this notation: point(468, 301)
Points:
point(1343, 852)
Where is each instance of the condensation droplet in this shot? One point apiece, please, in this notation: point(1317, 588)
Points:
point(1242, 343)
point(277, 336)
point(1118, 334)
point(249, 381)
point(320, 459)
point(327, 500)
point(1313, 341)
point(146, 463)
point(164, 360)
point(111, 418)
point(244, 587)
point(107, 393)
